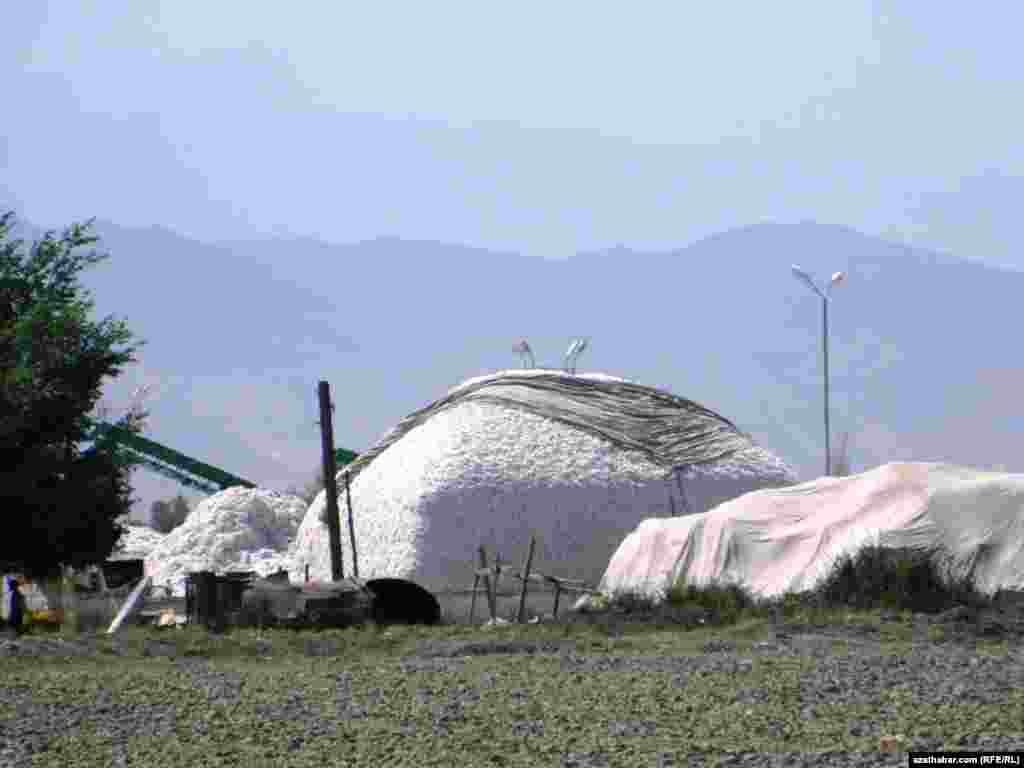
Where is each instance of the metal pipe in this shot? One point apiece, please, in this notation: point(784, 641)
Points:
point(828, 434)
point(837, 278)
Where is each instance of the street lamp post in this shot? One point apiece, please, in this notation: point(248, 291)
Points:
point(837, 278)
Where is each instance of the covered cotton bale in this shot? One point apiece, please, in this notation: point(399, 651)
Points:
point(573, 460)
point(773, 541)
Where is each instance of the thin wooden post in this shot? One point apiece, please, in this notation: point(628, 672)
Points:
point(487, 581)
point(526, 580)
point(472, 603)
point(351, 529)
point(558, 592)
point(494, 585)
point(330, 482)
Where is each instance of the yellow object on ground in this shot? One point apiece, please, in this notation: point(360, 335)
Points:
point(45, 616)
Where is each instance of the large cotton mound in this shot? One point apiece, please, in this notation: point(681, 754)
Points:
point(238, 529)
point(480, 472)
point(787, 539)
point(136, 542)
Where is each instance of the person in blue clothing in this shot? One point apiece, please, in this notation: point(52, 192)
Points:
point(16, 616)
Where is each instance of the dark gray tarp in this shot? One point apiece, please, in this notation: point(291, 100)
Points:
point(672, 431)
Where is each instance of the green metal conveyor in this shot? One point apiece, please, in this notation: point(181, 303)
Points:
point(177, 466)
point(169, 462)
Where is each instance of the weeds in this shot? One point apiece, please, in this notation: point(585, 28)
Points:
point(877, 578)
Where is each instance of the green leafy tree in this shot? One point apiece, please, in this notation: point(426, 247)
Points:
point(61, 506)
point(165, 516)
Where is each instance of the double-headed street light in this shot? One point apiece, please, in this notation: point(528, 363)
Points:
point(837, 278)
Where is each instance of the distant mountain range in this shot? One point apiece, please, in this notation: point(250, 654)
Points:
point(924, 359)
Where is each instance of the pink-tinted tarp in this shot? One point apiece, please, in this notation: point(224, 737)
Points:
point(777, 540)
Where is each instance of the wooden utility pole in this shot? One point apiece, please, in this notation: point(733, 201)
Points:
point(330, 482)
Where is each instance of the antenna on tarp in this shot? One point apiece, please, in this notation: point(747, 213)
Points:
point(523, 350)
point(576, 349)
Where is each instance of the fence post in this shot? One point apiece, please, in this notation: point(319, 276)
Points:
point(526, 580)
point(472, 603)
point(497, 578)
point(487, 581)
point(558, 592)
point(351, 529)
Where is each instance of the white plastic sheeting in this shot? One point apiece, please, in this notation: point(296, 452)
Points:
point(784, 539)
point(238, 529)
point(478, 471)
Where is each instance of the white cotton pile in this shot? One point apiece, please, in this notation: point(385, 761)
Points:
point(481, 473)
point(238, 529)
point(136, 542)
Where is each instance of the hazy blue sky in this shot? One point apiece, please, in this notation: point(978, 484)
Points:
point(544, 128)
point(549, 128)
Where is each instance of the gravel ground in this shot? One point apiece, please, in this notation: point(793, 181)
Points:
point(932, 675)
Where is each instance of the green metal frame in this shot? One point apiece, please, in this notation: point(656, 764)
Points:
point(343, 456)
point(179, 467)
point(173, 473)
point(169, 462)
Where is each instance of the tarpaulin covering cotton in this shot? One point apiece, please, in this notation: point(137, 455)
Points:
point(776, 540)
point(670, 430)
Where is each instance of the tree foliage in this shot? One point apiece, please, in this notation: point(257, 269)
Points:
point(166, 515)
point(61, 505)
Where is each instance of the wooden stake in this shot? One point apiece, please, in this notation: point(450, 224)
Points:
point(351, 529)
point(487, 582)
point(558, 592)
point(494, 584)
point(472, 603)
point(330, 482)
point(526, 580)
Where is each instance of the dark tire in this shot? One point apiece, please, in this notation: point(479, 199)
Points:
point(397, 601)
